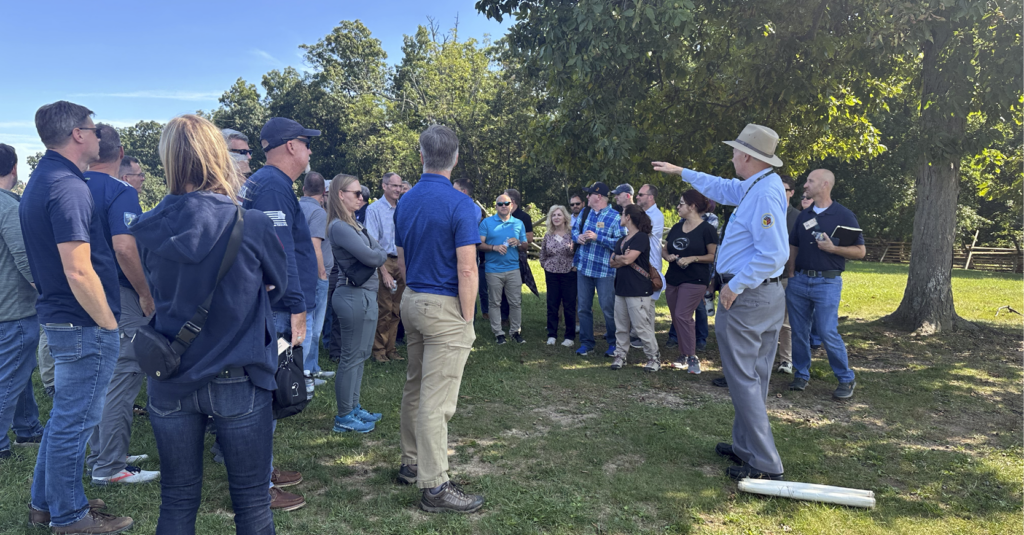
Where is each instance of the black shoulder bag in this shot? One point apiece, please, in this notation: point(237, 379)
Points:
point(358, 273)
point(290, 398)
point(160, 358)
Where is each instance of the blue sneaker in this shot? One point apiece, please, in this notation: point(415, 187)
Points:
point(611, 351)
point(361, 414)
point(351, 423)
point(583, 350)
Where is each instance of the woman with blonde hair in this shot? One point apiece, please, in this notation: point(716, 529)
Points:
point(556, 259)
point(227, 372)
point(358, 256)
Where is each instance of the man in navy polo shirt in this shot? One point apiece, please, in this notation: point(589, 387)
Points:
point(117, 203)
point(436, 237)
point(815, 286)
point(78, 305)
point(286, 144)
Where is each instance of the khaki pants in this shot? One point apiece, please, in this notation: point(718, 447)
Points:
point(388, 311)
point(785, 334)
point(512, 283)
point(439, 342)
point(638, 313)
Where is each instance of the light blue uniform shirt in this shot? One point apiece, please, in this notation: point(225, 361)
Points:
point(756, 242)
point(494, 231)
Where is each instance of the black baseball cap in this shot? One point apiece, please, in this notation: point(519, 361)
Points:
point(599, 188)
point(279, 130)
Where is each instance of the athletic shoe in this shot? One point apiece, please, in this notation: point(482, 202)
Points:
point(450, 498)
point(34, 440)
point(365, 415)
point(499, 340)
point(318, 382)
point(786, 367)
point(285, 478)
point(845, 390)
point(551, 340)
point(518, 337)
point(679, 363)
point(407, 474)
point(96, 522)
point(285, 501)
point(693, 365)
point(738, 473)
point(324, 375)
point(568, 343)
point(636, 342)
point(652, 365)
point(798, 384)
point(133, 459)
point(350, 423)
point(618, 363)
point(725, 450)
point(584, 351)
point(130, 474)
point(611, 351)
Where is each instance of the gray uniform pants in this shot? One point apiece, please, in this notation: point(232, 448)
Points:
point(109, 442)
point(748, 334)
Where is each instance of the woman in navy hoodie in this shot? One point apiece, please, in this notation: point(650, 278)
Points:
point(228, 372)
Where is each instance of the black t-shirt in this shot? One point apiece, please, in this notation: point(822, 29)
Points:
point(628, 281)
point(525, 218)
point(693, 243)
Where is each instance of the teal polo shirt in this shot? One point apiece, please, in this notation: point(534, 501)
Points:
point(494, 231)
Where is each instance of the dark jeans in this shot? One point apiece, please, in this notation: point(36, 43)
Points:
point(243, 417)
point(561, 291)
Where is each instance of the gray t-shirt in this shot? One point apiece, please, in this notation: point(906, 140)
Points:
point(350, 246)
point(316, 218)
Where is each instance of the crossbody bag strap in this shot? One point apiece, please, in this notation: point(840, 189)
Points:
point(194, 326)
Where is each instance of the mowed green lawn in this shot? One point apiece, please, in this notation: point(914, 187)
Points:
point(560, 444)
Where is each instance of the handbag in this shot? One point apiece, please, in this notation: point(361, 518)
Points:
point(358, 273)
point(290, 397)
point(652, 274)
point(159, 357)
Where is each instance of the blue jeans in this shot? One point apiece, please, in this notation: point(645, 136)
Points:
point(817, 299)
point(314, 326)
point(243, 417)
point(84, 359)
point(605, 287)
point(18, 342)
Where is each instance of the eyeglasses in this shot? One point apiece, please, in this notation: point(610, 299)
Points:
point(243, 152)
point(640, 194)
point(502, 203)
point(305, 140)
point(94, 131)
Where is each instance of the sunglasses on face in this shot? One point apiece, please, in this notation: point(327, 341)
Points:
point(243, 152)
point(575, 203)
point(94, 131)
point(305, 140)
point(502, 203)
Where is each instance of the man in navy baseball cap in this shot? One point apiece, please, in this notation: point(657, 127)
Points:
point(599, 188)
point(280, 130)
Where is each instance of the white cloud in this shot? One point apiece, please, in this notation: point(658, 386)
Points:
point(266, 55)
point(159, 94)
point(17, 124)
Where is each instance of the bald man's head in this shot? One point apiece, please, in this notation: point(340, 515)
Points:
point(819, 184)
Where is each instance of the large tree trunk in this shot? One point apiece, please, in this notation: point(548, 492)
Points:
point(927, 305)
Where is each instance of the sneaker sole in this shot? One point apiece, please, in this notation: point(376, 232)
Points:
point(104, 483)
point(694, 372)
point(842, 398)
point(337, 429)
point(432, 509)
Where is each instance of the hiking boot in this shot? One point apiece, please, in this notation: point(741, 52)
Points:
point(584, 351)
point(42, 518)
point(366, 416)
point(394, 356)
point(349, 422)
point(285, 501)
point(611, 351)
point(845, 390)
point(33, 440)
point(618, 363)
point(407, 474)
point(652, 365)
point(518, 337)
point(567, 343)
point(95, 522)
point(725, 450)
point(551, 340)
point(130, 474)
point(499, 340)
point(786, 367)
point(741, 472)
point(381, 358)
point(798, 384)
point(285, 478)
point(450, 498)
point(721, 382)
point(693, 365)
point(679, 363)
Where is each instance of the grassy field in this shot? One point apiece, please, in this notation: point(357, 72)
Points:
point(560, 444)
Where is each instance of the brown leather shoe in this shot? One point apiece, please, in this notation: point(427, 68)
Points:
point(380, 358)
point(285, 478)
point(96, 522)
point(285, 501)
point(42, 518)
point(395, 356)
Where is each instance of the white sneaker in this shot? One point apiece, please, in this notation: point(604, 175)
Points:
point(131, 474)
point(618, 363)
point(652, 365)
point(551, 341)
point(786, 367)
point(132, 459)
point(324, 375)
point(568, 343)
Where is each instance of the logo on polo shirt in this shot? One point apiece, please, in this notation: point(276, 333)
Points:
point(130, 219)
point(767, 221)
point(277, 217)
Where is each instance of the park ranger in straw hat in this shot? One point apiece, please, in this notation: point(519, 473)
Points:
point(749, 265)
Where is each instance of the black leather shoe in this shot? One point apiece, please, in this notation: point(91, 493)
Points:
point(725, 450)
point(739, 472)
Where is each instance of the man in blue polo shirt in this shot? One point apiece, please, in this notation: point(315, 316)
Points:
point(436, 237)
point(117, 203)
point(501, 237)
point(78, 305)
point(815, 287)
point(286, 144)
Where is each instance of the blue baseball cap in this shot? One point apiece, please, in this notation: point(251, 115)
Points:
point(280, 130)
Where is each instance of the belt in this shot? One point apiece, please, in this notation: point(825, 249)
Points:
point(393, 256)
point(231, 373)
point(829, 274)
point(724, 279)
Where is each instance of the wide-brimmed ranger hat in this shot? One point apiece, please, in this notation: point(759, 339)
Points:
point(759, 142)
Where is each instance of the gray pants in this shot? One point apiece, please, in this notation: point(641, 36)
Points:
point(512, 284)
point(45, 361)
point(635, 314)
point(748, 334)
point(109, 442)
point(786, 334)
point(355, 310)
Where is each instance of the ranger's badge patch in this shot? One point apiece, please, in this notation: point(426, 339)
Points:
point(767, 221)
point(130, 219)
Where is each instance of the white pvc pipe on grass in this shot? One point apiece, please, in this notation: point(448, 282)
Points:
point(809, 492)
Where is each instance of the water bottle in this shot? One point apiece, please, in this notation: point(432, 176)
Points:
point(309, 384)
point(709, 303)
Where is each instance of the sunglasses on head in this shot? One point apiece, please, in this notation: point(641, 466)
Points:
point(502, 203)
point(243, 152)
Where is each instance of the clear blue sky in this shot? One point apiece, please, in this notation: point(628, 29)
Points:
point(137, 60)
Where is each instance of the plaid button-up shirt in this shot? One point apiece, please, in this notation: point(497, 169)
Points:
point(592, 259)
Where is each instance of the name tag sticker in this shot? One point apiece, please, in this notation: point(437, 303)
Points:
point(809, 224)
point(600, 224)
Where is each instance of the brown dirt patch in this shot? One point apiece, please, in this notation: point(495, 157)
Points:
point(622, 463)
